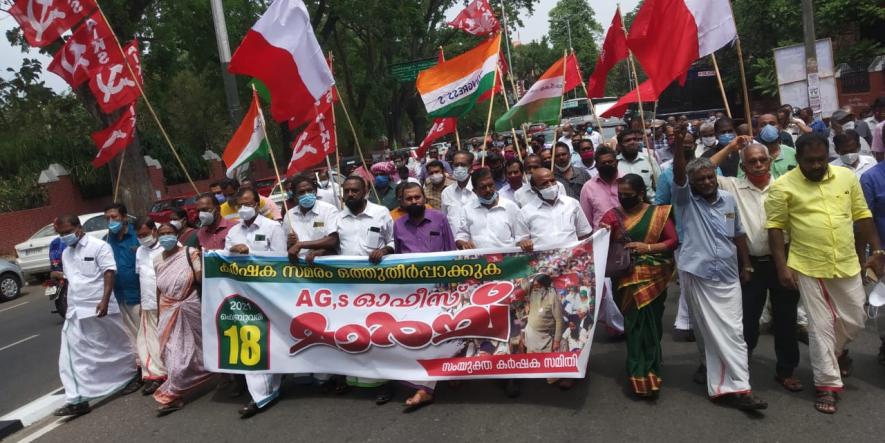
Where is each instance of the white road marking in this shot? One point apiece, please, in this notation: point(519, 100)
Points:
point(43, 431)
point(39, 408)
point(13, 307)
point(19, 342)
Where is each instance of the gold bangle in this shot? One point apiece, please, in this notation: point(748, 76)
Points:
point(878, 252)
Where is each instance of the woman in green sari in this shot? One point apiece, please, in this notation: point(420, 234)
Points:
point(641, 291)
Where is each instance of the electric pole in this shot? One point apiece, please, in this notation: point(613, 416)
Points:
point(230, 84)
point(811, 57)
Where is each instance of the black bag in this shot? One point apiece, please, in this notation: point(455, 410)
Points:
point(620, 259)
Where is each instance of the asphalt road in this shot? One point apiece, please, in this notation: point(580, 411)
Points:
point(29, 339)
point(600, 408)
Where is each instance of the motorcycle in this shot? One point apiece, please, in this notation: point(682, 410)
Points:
point(57, 292)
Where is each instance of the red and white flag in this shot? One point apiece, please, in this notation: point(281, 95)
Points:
point(90, 48)
point(692, 29)
point(477, 19)
point(282, 51)
point(113, 86)
point(44, 21)
point(441, 127)
point(114, 139)
point(646, 91)
point(614, 49)
point(317, 140)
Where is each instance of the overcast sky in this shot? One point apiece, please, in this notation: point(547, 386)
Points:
point(535, 26)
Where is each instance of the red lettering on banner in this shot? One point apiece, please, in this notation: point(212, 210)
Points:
point(411, 334)
point(310, 330)
point(304, 299)
point(353, 339)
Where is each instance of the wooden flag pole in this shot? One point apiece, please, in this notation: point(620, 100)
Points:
point(332, 180)
point(485, 138)
point(148, 102)
point(119, 176)
point(356, 141)
point(507, 105)
point(632, 64)
point(457, 133)
point(592, 107)
point(721, 86)
point(747, 112)
point(273, 159)
point(561, 100)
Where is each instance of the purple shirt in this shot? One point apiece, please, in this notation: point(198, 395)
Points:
point(432, 234)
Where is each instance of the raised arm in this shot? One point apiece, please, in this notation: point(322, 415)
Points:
point(679, 156)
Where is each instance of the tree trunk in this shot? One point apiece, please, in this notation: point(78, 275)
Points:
point(135, 183)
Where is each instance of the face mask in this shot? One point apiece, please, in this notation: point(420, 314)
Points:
point(415, 210)
point(488, 201)
point(354, 205)
point(436, 178)
point(206, 218)
point(168, 241)
point(607, 171)
point(759, 181)
point(307, 201)
point(629, 202)
point(848, 126)
point(246, 213)
point(220, 197)
point(114, 226)
point(850, 158)
point(727, 138)
point(549, 193)
point(290, 195)
point(562, 168)
point(709, 141)
point(509, 155)
point(382, 181)
point(587, 155)
point(147, 241)
point(70, 239)
point(176, 224)
point(769, 134)
point(461, 173)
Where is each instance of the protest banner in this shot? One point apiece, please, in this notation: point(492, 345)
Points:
point(447, 315)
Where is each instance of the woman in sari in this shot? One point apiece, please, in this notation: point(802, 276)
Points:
point(178, 271)
point(641, 292)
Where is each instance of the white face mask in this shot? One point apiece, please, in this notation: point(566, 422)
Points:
point(549, 193)
point(176, 223)
point(246, 213)
point(206, 218)
point(461, 173)
point(709, 141)
point(436, 178)
point(850, 158)
point(847, 126)
point(147, 241)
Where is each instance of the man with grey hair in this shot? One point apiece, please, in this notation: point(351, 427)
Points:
point(760, 275)
point(713, 242)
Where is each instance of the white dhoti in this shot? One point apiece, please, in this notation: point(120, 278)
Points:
point(683, 314)
point(131, 315)
point(609, 312)
point(717, 316)
point(148, 346)
point(263, 387)
point(96, 358)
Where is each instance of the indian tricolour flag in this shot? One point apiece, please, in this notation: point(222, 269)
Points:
point(541, 103)
point(249, 141)
point(452, 88)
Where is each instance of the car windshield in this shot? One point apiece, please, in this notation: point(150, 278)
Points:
point(96, 223)
point(47, 231)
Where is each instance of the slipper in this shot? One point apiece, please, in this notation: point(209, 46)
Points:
point(825, 402)
point(408, 409)
point(170, 408)
point(790, 383)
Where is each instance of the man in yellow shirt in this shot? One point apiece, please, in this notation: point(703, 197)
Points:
point(821, 206)
point(228, 209)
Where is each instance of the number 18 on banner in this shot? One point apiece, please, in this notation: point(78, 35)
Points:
point(242, 335)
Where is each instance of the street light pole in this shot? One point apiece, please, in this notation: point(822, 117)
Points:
point(230, 84)
point(811, 57)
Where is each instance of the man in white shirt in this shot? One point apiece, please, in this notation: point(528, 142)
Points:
point(848, 146)
point(96, 358)
point(525, 194)
point(327, 190)
point(308, 224)
point(566, 138)
point(553, 219)
point(458, 195)
point(147, 342)
point(489, 221)
point(256, 234)
point(585, 152)
point(631, 161)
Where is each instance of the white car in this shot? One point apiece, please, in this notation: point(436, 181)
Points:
point(33, 253)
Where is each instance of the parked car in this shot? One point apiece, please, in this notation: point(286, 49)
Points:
point(266, 185)
point(32, 255)
point(11, 280)
point(161, 210)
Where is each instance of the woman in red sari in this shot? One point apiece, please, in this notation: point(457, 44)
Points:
point(641, 292)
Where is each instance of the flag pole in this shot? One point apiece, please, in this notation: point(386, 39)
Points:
point(119, 176)
point(507, 47)
point(332, 181)
point(507, 105)
point(721, 86)
point(747, 112)
point(442, 54)
point(146, 101)
point(632, 64)
point(356, 141)
point(561, 100)
point(273, 159)
point(590, 101)
point(485, 138)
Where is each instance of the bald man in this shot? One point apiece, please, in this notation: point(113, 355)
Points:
point(553, 219)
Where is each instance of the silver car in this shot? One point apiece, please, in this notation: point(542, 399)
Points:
point(10, 280)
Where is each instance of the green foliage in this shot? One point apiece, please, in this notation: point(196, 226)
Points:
point(578, 17)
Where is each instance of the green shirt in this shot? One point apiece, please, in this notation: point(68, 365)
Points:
point(785, 161)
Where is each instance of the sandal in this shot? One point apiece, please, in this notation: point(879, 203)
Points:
point(825, 402)
point(790, 383)
point(169, 408)
point(846, 364)
point(423, 400)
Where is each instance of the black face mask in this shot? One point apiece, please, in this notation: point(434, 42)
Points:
point(607, 171)
point(355, 205)
point(415, 210)
point(629, 202)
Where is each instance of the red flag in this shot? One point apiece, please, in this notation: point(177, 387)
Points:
point(614, 49)
point(317, 140)
point(44, 21)
point(322, 106)
point(572, 73)
point(693, 29)
point(646, 91)
point(477, 19)
point(90, 48)
point(113, 86)
point(112, 140)
point(441, 127)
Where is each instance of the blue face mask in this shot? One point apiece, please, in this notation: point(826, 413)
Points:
point(488, 201)
point(220, 197)
point(727, 138)
point(382, 181)
point(70, 239)
point(168, 241)
point(290, 195)
point(307, 201)
point(115, 226)
point(769, 133)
